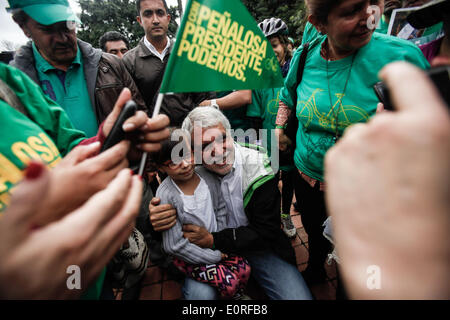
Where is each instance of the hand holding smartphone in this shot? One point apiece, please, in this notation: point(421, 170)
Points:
point(440, 76)
point(117, 133)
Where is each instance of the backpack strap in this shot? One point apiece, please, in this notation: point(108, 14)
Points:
point(301, 68)
point(8, 95)
point(292, 123)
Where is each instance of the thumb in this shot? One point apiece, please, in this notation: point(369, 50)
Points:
point(124, 96)
point(29, 195)
point(380, 108)
point(188, 228)
point(155, 201)
point(411, 95)
point(81, 153)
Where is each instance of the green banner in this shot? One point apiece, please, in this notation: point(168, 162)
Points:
point(220, 47)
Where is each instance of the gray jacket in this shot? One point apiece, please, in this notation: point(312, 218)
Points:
point(173, 241)
point(105, 76)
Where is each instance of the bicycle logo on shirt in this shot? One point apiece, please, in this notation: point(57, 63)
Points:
point(346, 114)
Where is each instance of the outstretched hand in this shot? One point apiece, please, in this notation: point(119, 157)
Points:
point(147, 132)
point(387, 190)
point(78, 176)
point(35, 260)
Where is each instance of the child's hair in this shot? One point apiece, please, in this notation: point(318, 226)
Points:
point(176, 137)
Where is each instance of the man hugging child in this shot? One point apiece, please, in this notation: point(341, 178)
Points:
point(198, 200)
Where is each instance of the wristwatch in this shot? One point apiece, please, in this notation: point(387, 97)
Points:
point(214, 104)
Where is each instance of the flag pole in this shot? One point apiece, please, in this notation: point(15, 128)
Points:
point(155, 113)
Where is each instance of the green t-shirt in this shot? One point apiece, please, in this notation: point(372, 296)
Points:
point(265, 103)
point(237, 116)
point(316, 115)
point(69, 90)
point(45, 134)
point(265, 106)
point(310, 33)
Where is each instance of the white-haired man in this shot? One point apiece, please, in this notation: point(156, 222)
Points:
point(251, 193)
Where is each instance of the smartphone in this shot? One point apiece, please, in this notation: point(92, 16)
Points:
point(383, 95)
point(117, 134)
point(440, 76)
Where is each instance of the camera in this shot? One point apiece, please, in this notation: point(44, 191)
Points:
point(440, 76)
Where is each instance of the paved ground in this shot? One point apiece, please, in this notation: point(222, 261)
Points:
point(157, 285)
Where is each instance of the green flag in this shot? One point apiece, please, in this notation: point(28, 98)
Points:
point(220, 47)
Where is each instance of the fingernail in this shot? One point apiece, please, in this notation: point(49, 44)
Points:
point(131, 172)
point(128, 126)
point(34, 170)
point(95, 144)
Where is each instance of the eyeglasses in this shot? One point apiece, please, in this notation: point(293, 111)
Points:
point(177, 163)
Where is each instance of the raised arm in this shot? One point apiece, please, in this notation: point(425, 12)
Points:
point(233, 100)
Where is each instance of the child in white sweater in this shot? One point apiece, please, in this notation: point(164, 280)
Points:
point(198, 201)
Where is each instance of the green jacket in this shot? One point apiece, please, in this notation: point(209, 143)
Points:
point(44, 132)
point(262, 201)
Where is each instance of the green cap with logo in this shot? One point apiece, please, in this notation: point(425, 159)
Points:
point(45, 12)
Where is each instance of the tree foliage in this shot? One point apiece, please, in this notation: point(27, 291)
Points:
point(7, 45)
point(293, 12)
point(100, 16)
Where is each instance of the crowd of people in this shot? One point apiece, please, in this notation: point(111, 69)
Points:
point(208, 207)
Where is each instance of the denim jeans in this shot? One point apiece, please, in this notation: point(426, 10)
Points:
point(280, 280)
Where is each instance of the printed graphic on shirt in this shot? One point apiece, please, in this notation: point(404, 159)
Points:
point(344, 115)
point(273, 104)
point(338, 117)
point(38, 147)
point(272, 110)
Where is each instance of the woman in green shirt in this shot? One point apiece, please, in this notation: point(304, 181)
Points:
point(336, 91)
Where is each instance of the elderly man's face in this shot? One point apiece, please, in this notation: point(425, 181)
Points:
point(216, 148)
point(57, 43)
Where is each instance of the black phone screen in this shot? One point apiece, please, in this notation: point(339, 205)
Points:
point(117, 134)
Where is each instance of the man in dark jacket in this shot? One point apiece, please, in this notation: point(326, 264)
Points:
point(147, 62)
point(83, 80)
point(115, 43)
point(251, 194)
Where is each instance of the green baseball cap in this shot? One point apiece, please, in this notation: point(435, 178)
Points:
point(45, 12)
